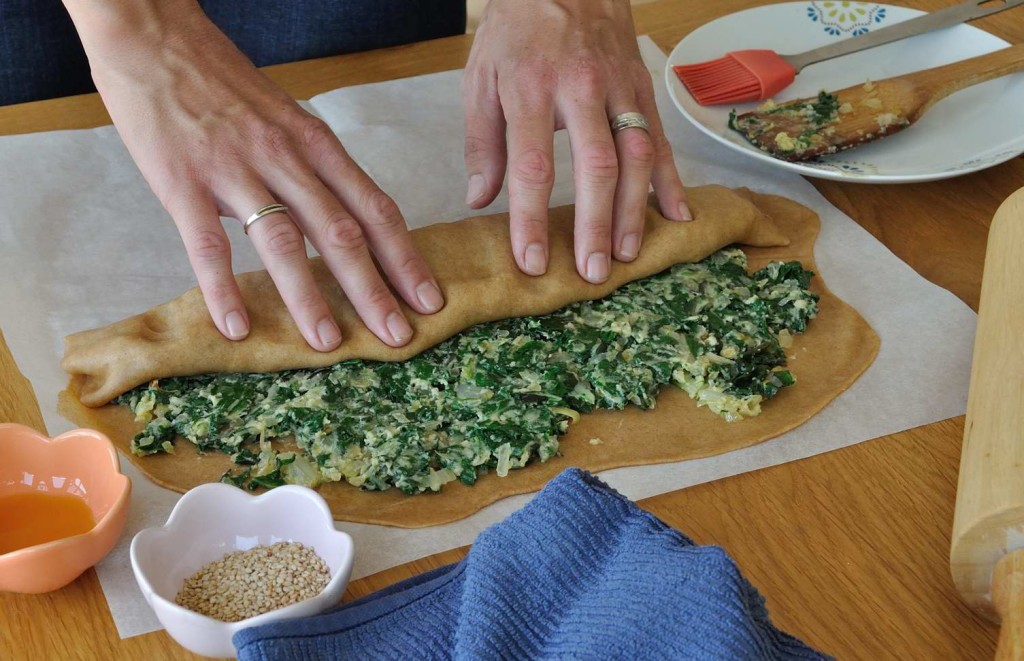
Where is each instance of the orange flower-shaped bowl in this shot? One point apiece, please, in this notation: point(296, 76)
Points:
point(82, 463)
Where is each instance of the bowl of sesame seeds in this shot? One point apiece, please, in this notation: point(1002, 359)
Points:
point(227, 560)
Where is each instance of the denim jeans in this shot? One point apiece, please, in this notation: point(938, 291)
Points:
point(41, 56)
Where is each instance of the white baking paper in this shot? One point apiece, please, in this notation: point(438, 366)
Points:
point(83, 243)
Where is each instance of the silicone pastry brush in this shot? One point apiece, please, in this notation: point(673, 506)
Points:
point(756, 75)
point(805, 128)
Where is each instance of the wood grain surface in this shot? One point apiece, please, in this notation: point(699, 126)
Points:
point(17, 399)
point(850, 548)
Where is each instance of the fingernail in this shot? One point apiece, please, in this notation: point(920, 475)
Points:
point(630, 246)
point(597, 267)
point(684, 211)
point(476, 188)
point(328, 332)
point(236, 325)
point(399, 328)
point(430, 296)
point(535, 261)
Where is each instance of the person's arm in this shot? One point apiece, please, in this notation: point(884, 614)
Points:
point(541, 65)
point(213, 135)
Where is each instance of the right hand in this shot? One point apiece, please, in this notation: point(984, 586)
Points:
point(213, 136)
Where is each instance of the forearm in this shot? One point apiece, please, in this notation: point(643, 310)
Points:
point(215, 137)
point(107, 26)
point(160, 49)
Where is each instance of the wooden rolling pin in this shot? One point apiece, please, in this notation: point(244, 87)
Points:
point(987, 553)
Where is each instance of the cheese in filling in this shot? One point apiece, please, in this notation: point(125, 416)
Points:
point(498, 395)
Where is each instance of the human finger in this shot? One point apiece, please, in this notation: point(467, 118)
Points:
point(636, 163)
point(340, 240)
point(485, 148)
point(665, 177)
point(282, 248)
point(209, 252)
point(378, 217)
point(530, 117)
point(596, 173)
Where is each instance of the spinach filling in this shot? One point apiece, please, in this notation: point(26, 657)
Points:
point(811, 117)
point(499, 394)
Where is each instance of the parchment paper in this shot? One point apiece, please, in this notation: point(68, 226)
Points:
point(83, 243)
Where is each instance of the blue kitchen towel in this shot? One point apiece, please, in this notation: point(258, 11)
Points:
point(579, 573)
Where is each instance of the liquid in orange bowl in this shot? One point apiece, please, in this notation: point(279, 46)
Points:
point(29, 519)
point(63, 503)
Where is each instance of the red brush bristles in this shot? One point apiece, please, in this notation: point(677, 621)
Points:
point(725, 80)
point(747, 75)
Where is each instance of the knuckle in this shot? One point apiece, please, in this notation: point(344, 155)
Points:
point(531, 223)
point(219, 293)
point(476, 149)
point(209, 246)
point(378, 296)
point(468, 84)
point(283, 238)
point(342, 232)
point(599, 162)
point(532, 85)
point(642, 78)
point(535, 71)
point(639, 148)
point(643, 93)
point(596, 231)
point(174, 184)
point(410, 265)
point(534, 167)
point(380, 208)
point(587, 75)
point(316, 134)
point(273, 139)
point(474, 81)
point(662, 147)
point(308, 298)
point(528, 229)
point(530, 102)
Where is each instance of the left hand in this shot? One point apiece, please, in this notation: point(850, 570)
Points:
point(538, 66)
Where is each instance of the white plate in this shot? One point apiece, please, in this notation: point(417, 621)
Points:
point(971, 130)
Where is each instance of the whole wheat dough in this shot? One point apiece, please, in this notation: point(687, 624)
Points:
point(481, 282)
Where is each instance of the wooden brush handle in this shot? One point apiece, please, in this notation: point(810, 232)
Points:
point(942, 81)
point(1008, 598)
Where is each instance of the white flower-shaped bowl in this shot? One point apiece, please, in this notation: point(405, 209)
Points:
point(213, 520)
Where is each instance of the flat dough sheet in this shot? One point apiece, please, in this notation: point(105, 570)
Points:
point(175, 338)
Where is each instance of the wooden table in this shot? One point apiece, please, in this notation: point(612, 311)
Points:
point(849, 548)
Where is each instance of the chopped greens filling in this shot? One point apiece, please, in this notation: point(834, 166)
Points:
point(499, 394)
point(793, 128)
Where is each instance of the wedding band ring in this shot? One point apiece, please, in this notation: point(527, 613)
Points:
point(629, 120)
point(265, 211)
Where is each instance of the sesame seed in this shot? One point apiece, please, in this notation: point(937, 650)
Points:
point(244, 584)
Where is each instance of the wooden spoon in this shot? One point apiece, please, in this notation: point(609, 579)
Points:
point(804, 128)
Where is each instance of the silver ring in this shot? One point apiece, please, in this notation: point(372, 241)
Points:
point(265, 211)
point(629, 120)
